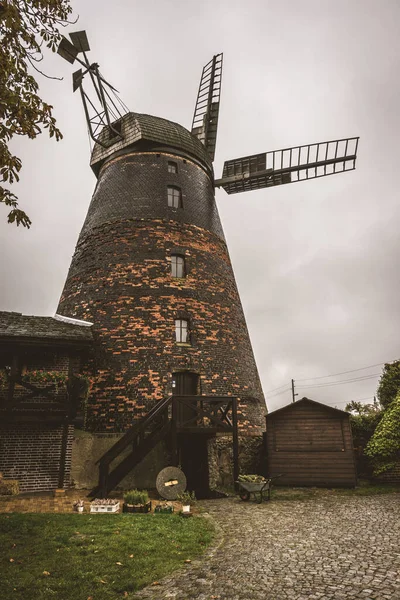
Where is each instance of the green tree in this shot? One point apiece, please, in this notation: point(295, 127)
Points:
point(25, 26)
point(389, 383)
point(384, 445)
point(364, 419)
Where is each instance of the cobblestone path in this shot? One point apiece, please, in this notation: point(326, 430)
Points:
point(330, 548)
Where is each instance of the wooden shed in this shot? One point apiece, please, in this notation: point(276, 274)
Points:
point(310, 444)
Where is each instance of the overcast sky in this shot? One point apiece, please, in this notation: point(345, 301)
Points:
point(316, 262)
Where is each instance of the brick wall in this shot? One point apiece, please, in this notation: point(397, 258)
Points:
point(31, 454)
point(120, 279)
point(390, 476)
point(31, 451)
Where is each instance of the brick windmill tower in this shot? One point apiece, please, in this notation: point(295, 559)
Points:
point(151, 270)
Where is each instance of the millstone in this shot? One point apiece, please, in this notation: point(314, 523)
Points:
point(171, 482)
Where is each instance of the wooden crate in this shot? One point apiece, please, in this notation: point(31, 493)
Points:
point(104, 508)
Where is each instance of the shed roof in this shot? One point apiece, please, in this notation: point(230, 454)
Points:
point(16, 326)
point(303, 402)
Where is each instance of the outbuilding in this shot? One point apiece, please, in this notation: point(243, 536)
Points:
point(310, 444)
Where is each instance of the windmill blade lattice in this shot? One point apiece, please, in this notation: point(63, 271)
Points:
point(105, 107)
point(205, 118)
point(288, 165)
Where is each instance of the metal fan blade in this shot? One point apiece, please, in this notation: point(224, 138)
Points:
point(288, 165)
point(205, 118)
point(77, 79)
point(67, 51)
point(80, 41)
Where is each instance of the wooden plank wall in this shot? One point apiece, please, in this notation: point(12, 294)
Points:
point(310, 446)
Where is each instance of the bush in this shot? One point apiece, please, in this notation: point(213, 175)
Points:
point(384, 445)
point(9, 487)
point(187, 498)
point(136, 497)
point(389, 383)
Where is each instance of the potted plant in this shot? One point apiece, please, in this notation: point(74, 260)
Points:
point(136, 501)
point(164, 507)
point(187, 498)
point(78, 505)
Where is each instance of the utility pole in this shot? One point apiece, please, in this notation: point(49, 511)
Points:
point(293, 394)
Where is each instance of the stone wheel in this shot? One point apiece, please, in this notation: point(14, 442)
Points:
point(171, 482)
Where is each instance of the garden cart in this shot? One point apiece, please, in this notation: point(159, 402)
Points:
point(246, 488)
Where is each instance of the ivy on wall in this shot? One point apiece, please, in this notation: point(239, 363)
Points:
point(384, 445)
point(77, 385)
point(389, 383)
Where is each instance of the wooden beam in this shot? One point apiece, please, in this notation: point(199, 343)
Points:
point(13, 376)
point(63, 456)
point(235, 442)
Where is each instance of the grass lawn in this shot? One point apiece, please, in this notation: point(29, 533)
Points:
point(81, 556)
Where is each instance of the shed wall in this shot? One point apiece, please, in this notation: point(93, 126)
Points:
point(310, 446)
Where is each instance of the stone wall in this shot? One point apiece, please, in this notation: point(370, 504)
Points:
point(87, 448)
point(220, 459)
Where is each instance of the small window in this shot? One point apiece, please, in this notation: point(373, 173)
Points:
point(177, 265)
point(115, 133)
point(174, 197)
point(182, 331)
point(172, 167)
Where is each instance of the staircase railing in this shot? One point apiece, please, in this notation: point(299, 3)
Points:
point(188, 414)
point(142, 435)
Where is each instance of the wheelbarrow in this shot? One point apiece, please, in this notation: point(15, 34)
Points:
point(246, 488)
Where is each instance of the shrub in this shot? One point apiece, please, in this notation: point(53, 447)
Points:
point(389, 383)
point(136, 497)
point(9, 487)
point(384, 445)
point(187, 498)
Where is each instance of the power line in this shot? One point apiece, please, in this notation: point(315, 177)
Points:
point(343, 372)
point(348, 401)
point(278, 388)
point(331, 383)
point(278, 394)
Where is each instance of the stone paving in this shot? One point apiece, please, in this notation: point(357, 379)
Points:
point(327, 548)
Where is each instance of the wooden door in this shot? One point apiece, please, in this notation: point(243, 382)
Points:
point(185, 384)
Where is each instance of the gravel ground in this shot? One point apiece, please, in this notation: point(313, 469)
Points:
point(327, 548)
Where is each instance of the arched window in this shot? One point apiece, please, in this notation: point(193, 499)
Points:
point(182, 332)
point(178, 265)
point(174, 196)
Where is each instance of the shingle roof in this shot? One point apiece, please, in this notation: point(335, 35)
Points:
point(15, 325)
point(136, 127)
point(304, 401)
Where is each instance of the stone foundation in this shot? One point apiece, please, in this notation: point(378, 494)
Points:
point(87, 448)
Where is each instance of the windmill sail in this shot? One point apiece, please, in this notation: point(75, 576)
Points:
point(288, 165)
point(104, 110)
point(205, 118)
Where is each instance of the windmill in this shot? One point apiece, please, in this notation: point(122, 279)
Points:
point(152, 271)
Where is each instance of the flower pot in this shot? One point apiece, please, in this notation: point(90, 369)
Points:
point(164, 509)
point(186, 508)
point(80, 509)
point(136, 508)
